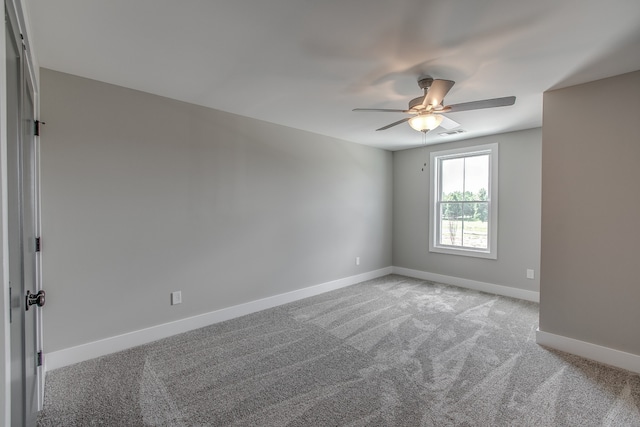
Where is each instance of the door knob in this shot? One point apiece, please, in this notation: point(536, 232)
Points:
point(32, 299)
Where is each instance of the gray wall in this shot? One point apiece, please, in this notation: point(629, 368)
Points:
point(143, 195)
point(590, 288)
point(519, 185)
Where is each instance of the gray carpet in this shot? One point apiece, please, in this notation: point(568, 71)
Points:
point(392, 351)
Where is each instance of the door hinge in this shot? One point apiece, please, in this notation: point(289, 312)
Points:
point(36, 127)
point(39, 359)
point(38, 244)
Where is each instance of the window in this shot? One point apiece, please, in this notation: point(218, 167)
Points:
point(464, 201)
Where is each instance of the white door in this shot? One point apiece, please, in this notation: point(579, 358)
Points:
point(29, 227)
point(22, 218)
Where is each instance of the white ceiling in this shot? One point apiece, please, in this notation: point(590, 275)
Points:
point(306, 64)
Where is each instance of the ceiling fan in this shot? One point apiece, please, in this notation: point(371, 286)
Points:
point(426, 110)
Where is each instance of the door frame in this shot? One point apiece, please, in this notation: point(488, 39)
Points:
point(18, 12)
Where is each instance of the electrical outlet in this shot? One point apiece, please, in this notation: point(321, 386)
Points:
point(176, 297)
point(530, 274)
point(357, 260)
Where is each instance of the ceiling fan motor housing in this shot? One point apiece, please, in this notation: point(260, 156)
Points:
point(425, 82)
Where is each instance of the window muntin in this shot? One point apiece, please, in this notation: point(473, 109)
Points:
point(464, 201)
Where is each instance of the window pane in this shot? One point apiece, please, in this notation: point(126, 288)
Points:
point(476, 177)
point(450, 224)
point(476, 234)
point(452, 179)
point(467, 210)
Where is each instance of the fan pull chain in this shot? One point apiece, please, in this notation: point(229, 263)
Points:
point(424, 143)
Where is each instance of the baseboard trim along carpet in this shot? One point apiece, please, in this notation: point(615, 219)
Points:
point(609, 356)
point(69, 356)
point(470, 284)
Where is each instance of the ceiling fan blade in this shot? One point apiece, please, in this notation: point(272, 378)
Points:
point(380, 110)
point(437, 92)
point(394, 124)
point(485, 103)
point(448, 124)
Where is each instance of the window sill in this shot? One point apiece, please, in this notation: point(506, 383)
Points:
point(463, 252)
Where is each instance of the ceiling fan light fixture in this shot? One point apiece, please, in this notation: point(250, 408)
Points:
point(425, 122)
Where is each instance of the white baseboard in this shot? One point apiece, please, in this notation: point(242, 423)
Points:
point(609, 356)
point(69, 356)
point(470, 284)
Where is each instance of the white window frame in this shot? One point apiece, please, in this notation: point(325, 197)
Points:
point(492, 197)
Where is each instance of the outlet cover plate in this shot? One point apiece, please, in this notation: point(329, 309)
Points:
point(176, 297)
